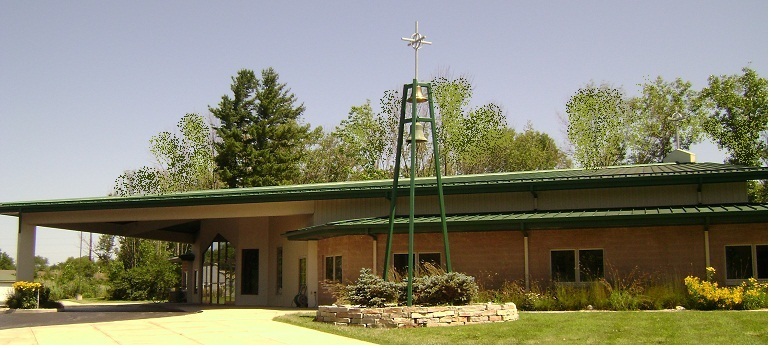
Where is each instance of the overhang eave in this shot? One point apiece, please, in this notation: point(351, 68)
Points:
point(540, 220)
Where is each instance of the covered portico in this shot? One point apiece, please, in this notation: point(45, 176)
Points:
point(197, 219)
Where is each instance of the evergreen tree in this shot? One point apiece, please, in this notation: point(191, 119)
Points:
point(261, 140)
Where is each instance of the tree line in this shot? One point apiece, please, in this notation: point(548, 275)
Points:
point(607, 128)
point(256, 135)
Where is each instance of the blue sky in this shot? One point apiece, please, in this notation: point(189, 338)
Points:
point(85, 84)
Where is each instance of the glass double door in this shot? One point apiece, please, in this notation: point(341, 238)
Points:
point(219, 273)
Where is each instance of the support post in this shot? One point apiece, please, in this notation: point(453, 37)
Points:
point(25, 251)
point(706, 243)
point(413, 160)
point(706, 247)
point(437, 167)
point(526, 248)
point(393, 197)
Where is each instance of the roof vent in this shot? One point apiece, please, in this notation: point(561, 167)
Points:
point(680, 156)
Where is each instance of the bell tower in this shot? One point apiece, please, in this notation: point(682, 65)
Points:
point(413, 93)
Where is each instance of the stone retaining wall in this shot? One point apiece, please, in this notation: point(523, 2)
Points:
point(417, 316)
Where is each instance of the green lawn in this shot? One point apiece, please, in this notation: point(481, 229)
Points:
point(660, 327)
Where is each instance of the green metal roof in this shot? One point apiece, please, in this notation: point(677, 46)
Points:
point(620, 176)
point(533, 220)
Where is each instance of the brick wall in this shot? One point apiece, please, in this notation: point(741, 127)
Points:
point(673, 250)
point(722, 235)
point(356, 252)
point(495, 257)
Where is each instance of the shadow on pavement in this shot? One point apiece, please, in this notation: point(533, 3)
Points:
point(82, 314)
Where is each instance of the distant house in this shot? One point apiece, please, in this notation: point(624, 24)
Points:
point(7, 278)
point(568, 226)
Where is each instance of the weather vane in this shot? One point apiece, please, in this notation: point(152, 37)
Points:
point(416, 41)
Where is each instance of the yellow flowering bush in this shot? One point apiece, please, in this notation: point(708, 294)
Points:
point(25, 295)
point(23, 286)
point(755, 294)
point(707, 294)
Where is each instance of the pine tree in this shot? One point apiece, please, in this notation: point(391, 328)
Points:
point(261, 136)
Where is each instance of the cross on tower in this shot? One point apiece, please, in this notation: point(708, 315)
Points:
point(416, 41)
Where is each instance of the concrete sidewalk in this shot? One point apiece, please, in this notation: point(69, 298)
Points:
point(209, 325)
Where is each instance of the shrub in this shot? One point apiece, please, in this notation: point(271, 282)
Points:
point(371, 291)
point(28, 295)
point(151, 281)
point(507, 292)
point(450, 288)
point(621, 300)
point(629, 291)
point(754, 294)
point(707, 295)
point(664, 295)
point(337, 290)
point(433, 289)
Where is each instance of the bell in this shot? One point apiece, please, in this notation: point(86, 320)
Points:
point(420, 137)
point(418, 94)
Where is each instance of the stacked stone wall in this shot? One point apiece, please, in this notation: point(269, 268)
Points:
point(390, 317)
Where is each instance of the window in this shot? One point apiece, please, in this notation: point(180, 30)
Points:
point(302, 272)
point(333, 268)
point(746, 261)
point(279, 270)
point(195, 281)
point(250, 271)
point(590, 265)
point(421, 260)
point(577, 265)
point(761, 252)
point(563, 266)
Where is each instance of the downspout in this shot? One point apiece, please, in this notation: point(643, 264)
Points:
point(706, 242)
point(526, 248)
point(374, 250)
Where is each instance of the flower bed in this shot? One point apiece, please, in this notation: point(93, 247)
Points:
point(390, 317)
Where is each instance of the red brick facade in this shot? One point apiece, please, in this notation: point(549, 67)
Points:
point(497, 257)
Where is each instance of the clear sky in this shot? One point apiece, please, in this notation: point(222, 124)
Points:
point(85, 84)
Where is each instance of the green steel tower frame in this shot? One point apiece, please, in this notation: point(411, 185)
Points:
point(412, 121)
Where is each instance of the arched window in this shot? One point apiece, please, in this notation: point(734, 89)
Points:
point(219, 272)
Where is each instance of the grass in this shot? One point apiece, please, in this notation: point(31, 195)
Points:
point(627, 327)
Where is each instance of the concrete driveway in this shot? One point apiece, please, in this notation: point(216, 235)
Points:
point(140, 324)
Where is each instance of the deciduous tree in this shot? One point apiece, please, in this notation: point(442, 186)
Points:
point(184, 162)
point(467, 137)
point(6, 261)
point(738, 116)
point(529, 150)
point(596, 128)
point(666, 111)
